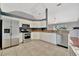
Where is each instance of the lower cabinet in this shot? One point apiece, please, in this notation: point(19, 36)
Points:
point(35, 35)
point(58, 39)
point(45, 36)
point(48, 37)
point(62, 39)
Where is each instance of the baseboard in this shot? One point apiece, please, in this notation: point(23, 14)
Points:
point(10, 46)
point(62, 46)
point(35, 39)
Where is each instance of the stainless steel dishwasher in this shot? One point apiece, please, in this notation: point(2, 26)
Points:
point(62, 38)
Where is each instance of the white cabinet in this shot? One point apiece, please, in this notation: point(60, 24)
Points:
point(35, 35)
point(38, 24)
point(43, 23)
point(35, 24)
point(45, 36)
point(48, 37)
point(14, 32)
point(62, 39)
point(58, 39)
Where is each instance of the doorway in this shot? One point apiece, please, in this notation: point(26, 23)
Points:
point(0, 34)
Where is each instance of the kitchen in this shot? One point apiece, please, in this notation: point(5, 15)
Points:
point(19, 27)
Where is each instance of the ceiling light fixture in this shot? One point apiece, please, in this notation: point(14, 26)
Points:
point(59, 4)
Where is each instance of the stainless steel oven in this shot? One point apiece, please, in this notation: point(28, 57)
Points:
point(27, 35)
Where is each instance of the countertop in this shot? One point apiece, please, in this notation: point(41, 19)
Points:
point(51, 31)
point(43, 31)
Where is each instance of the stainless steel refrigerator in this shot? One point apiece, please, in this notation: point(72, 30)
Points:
point(10, 30)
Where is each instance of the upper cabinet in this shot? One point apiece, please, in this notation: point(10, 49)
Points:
point(43, 23)
point(35, 24)
point(38, 24)
point(22, 21)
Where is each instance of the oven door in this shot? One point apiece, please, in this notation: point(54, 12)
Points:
point(27, 35)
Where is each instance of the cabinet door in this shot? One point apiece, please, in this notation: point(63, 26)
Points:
point(49, 37)
point(64, 40)
point(5, 36)
point(36, 24)
point(58, 39)
point(35, 35)
point(52, 37)
point(14, 32)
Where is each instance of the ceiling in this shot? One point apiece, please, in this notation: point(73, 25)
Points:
point(38, 9)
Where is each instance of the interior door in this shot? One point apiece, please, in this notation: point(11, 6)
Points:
point(14, 32)
point(0, 34)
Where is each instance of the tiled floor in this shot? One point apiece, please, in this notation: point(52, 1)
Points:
point(34, 48)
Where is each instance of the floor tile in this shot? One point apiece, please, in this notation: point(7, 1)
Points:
point(35, 48)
